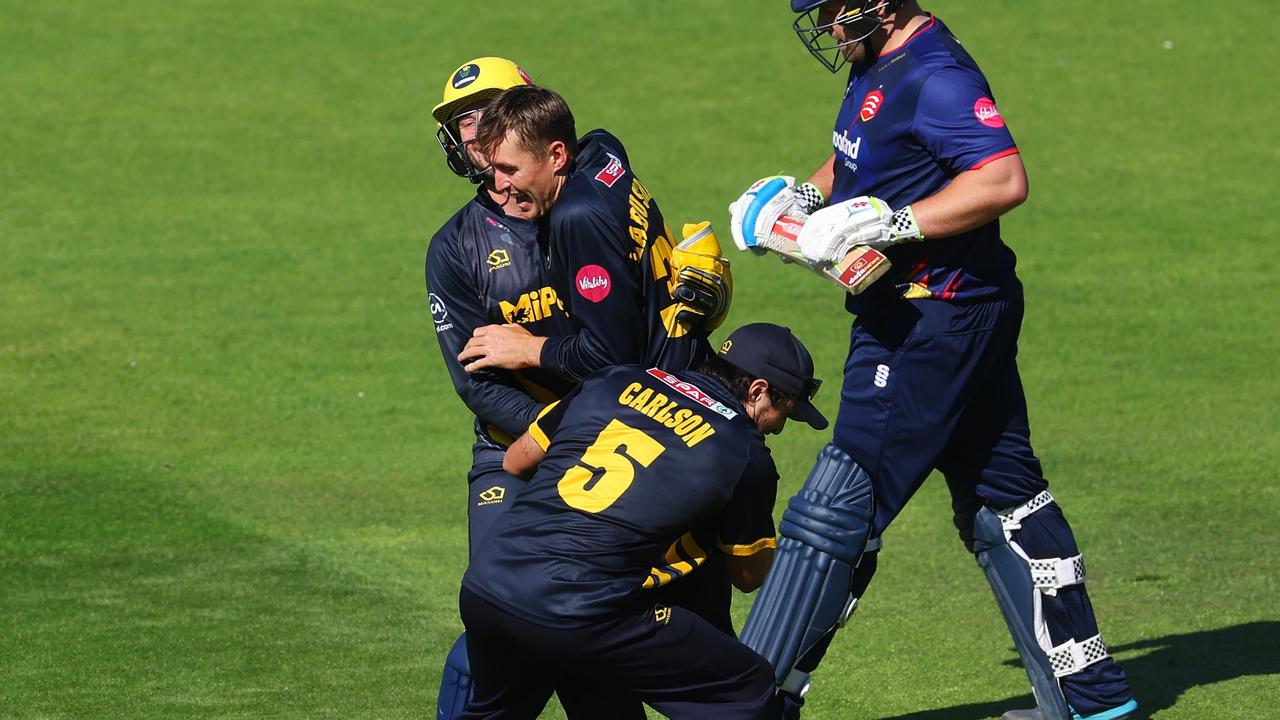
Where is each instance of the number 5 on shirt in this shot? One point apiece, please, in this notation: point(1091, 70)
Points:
point(608, 467)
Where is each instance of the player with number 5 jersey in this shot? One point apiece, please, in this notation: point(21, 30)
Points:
point(638, 470)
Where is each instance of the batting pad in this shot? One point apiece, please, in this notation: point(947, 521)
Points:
point(822, 535)
point(1010, 578)
point(455, 683)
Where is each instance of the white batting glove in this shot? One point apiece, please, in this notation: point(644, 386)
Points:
point(753, 215)
point(832, 232)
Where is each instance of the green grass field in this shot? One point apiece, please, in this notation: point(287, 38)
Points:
point(232, 466)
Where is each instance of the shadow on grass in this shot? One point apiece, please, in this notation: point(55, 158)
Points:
point(1173, 665)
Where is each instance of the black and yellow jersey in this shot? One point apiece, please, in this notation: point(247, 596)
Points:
point(646, 472)
point(485, 268)
point(610, 253)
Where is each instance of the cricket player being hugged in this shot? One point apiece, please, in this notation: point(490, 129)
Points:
point(923, 166)
point(612, 256)
point(485, 268)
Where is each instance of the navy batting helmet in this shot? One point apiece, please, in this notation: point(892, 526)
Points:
point(857, 18)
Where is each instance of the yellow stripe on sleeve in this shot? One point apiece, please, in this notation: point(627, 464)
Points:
point(745, 550)
point(536, 432)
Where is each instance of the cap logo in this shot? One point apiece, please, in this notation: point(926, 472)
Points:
point(871, 105)
point(987, 113)
point(728, 344)
point(466, 75)
point(524, 75)
point(593, 283)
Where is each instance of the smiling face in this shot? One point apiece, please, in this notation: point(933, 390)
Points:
point(531, 179)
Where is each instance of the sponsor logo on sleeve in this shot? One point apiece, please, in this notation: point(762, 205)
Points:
point(871, 105)
point(987, 113)
point(493, 496)
point(693, 392)
point(466, 75)
point(593, 283)
point(439, 313)
point(611, 172)
point(498, 259)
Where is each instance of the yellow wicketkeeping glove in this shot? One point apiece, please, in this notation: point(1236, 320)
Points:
point(704, 283)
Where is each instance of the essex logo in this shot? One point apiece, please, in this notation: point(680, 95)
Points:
point(611, 172)
point(498, 259)
point(987, 113)
point(466, 75)
point(871, 105)
point(593, 283)
point(492, 496)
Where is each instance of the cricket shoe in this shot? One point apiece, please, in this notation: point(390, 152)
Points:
point(1120, 712)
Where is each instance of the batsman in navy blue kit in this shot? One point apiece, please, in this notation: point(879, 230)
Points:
point(637, 469)
point(923, 167)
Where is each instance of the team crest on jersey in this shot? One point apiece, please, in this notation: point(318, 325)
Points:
point(871, 105)
point(593, 283)
point(498, 259)
point(611, 172)
point(466, 75)
point(987, 113)
point(693, 392)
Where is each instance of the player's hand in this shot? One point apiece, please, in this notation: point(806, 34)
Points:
point(752, 216)
point(510, 347)
point(704, 282)
point(832, 232)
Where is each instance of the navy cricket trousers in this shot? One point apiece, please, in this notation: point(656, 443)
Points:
point(672, 659)
point(934, 385)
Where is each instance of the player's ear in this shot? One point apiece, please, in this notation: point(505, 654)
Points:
point(757, 389)
point(559, 155)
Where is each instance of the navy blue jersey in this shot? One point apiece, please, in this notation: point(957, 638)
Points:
point(610, 253)
point(486, 268)
point(644, 470)
point(912, 120)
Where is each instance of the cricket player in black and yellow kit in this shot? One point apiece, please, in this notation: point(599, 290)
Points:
point(609, 248)
point(485, 267)
point(635, 470)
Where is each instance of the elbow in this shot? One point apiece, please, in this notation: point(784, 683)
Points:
point(509, 465)
point(1016, 193)
point(746, 582)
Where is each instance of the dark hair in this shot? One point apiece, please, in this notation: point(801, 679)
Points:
point(735, 378)
point(537, 115)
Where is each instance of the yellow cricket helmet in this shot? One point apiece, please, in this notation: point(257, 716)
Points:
point(477, 81)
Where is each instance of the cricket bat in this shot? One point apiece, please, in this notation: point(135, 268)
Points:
point(855, 272)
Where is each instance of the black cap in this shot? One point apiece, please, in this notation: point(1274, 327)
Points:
point(772, 353)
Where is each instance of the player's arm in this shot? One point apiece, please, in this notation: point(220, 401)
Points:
point(523, 456)
point(605, 298)
point(494, 397)
point(746, 534)
point(824, 178)
point(959, 124)
point(973, 199)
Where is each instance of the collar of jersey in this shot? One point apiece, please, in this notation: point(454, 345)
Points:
point(933, 22)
